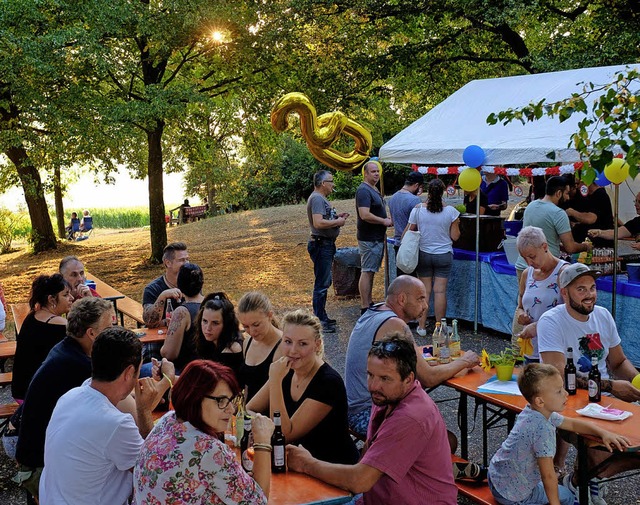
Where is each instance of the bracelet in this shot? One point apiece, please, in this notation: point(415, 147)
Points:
point(170, 382)
point(262, 447)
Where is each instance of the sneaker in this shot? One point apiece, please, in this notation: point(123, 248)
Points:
point(328, 320)
point(421, 332)
point(597, 491)
point(328, 328)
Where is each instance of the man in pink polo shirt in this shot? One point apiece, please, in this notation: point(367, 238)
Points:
point(407, 454)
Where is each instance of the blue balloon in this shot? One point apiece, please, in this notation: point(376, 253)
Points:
point(473, 156)
point(601, 180)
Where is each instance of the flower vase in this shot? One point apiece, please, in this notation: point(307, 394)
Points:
point(504, 372)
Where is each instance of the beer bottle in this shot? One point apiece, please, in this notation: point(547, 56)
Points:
point(445, 352)
point(594, 381)
point(570, 373)
point(278, 456)
point(435, 341)
point(454, 341)
point(246, 446)
point(168, 311)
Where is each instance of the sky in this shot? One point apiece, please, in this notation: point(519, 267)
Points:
point(85, 194)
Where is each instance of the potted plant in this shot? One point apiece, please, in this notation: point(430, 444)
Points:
point(504, 361)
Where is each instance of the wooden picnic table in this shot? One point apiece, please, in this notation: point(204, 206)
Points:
point(7, 350)
point(152, 335)
point(123, 304)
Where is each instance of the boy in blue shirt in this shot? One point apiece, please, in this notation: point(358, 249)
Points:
point(521, 472)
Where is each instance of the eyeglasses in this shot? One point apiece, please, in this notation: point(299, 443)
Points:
point(224, 401)
point(385, 347)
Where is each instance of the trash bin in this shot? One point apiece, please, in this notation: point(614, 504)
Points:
point(346, 271)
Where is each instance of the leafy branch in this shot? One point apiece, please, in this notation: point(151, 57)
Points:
point(610, 125)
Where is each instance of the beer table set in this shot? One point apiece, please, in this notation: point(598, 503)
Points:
point(505, 406)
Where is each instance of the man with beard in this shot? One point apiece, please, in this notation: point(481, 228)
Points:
point(591, 332)
point(72, 269)
point(406, 457)
point(547, 214)
point(406, 301)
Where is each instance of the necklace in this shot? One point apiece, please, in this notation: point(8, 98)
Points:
point(313, 369)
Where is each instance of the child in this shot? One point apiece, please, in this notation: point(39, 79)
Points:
point(526, 456)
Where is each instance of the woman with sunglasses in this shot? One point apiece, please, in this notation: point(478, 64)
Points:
point(308, 393)
point(185, 460)
point(218, 335)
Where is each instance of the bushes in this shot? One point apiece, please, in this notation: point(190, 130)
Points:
point(12, 225)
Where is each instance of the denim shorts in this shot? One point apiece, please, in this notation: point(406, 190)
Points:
point(370, 255)
point(434, 265)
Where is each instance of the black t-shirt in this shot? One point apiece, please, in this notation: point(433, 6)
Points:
point(66, 367)
point(599, 204)
point(33, 343)
point(329, 440)
point(255, 376)
point(633, 226)
point(471, 205)
point(366, 196)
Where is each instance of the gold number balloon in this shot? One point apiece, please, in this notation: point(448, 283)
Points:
point(320, 132)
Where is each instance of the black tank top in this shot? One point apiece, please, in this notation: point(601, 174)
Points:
point(256, 376)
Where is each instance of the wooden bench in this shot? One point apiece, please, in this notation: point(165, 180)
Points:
point(6, 378)
point(7, 410)
point(19, 312)
point(123, 304)
point(475, 491)
point(192, 213)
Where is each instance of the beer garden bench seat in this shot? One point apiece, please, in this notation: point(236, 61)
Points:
point(6, 378)
point(7, 410)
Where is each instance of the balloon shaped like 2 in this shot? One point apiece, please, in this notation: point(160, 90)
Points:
point(320, 132)
point(601, 180)
point(470, 179)
point(473, 156)
point(617, 171)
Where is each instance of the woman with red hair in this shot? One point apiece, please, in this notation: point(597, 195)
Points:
point(185, 460)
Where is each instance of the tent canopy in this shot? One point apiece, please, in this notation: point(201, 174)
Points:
point(440, 136)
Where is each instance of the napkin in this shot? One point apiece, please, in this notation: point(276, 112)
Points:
point(606, 413)
point(526, 347)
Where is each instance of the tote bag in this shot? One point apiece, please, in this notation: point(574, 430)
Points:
point(407, 257)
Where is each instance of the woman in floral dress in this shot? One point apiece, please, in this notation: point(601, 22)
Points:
point(184, 459)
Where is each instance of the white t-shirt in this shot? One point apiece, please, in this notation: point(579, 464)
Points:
point(434, 228)
point(90, 447)
point(557, 330)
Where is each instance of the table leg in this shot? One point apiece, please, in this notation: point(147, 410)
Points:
point(583, 472)
point(485, 437)
point(463, 424)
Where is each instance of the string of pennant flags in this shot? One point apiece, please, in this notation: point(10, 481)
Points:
point(524, 172)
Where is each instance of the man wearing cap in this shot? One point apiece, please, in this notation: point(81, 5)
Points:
point(590, 331)
point(325, 224)
point(400, 206)
point(371, 225)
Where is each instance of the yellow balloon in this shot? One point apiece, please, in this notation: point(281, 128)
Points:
point(320, 132)
point(470, 179)
point(636, 381)
point(617, 171)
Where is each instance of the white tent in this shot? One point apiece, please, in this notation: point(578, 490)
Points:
point(440, 136)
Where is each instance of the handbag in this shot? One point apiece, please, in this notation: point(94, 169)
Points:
point(407, 257)
point(9, 432)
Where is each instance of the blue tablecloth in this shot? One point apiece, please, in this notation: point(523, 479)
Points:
point(499, 292)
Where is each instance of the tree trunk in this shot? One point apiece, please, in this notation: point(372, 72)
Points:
point(42, 236)
point(57, 192)
point(158, 226)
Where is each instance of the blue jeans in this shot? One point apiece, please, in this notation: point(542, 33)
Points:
point(537, 496)
point(321, 253)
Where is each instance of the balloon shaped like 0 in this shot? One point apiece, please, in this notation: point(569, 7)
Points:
point(601, 180)
point(469, 179)
point(473, 156)
point(320, 132)
point(617, 171)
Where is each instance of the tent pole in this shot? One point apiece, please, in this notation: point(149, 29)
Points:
point(616, 202)
point(477, 284)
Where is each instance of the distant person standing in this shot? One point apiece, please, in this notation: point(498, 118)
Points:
point(497, 191)
point(371, 225)
point(401, 204)
point(325, 224)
